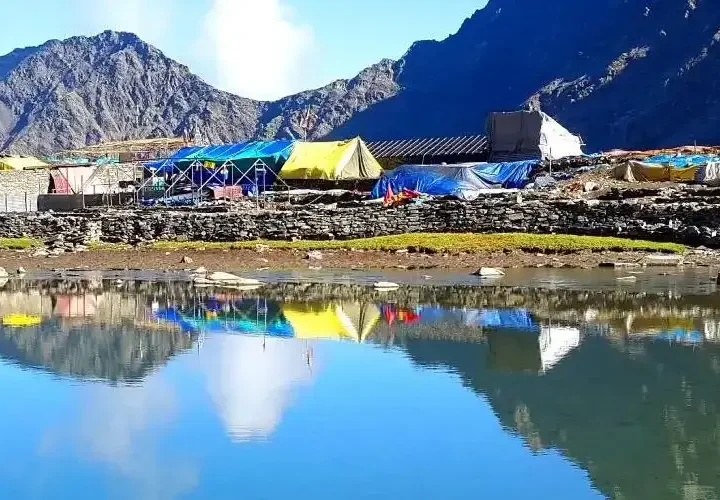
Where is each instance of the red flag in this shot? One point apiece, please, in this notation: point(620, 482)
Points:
point(389, 196)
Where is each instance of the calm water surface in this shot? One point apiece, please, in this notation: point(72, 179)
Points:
point(159, 390)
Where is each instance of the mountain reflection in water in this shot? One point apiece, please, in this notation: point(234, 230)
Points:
point(623, 384)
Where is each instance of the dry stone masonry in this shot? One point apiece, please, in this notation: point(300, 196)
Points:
point(693, 223)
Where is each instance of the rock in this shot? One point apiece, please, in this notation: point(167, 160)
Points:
point(81, 248)
point(314, 255)
point(41, 252)
point(227, 278)
point(200, 271)
point(3, 273)
point(386, 285)
point(21, 270)
point(590, 186)
point(626, 278)
point(663, 260)
point(186, 260)
point(489, 272)
point(315, 268)
point(619, 265)
point(402, 251)
point(261, 248)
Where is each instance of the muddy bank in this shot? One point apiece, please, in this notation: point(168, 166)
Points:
point(229, 260)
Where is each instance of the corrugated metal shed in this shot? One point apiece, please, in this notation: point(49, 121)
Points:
point(435, 150)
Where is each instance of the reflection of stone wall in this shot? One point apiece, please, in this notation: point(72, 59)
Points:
point(691, 222)
point(30, 302)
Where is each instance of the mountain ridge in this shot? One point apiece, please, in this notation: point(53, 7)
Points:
point(68, 93)
point(619, 73)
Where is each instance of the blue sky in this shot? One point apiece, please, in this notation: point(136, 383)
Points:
point(292, 44)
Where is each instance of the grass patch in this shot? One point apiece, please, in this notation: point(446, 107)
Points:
point(446, 242)
point(19, 243)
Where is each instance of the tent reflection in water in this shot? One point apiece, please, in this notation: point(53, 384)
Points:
point(345, 160)
point(531, 351)
point(335, 321)
point(342, 321)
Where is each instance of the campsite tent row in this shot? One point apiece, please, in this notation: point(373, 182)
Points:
point(347, 160)
point(290, 160)
point(703, 169)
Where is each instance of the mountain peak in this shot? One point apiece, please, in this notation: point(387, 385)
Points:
point(114, 86)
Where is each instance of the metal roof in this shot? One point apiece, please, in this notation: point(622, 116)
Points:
point(436, 146)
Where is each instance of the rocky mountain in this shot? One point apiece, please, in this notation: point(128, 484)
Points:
point(621, 73)
point(114, 86)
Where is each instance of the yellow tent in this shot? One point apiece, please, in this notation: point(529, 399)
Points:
point(346, 160)
point(636, 171)
point(21, 320)
point(332, 321)
point(20, 162)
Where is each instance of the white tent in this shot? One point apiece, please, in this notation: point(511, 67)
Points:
point(556, 343)
point(525, 135)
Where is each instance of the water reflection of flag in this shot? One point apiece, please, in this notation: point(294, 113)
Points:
point(392, 313)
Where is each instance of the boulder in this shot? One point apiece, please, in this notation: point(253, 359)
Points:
point(3, 273)
point(627, 278)
point(489, 272)
point(21, 270)
point(314, 255)
point(227, 278)
point(663, 260)
point(386, 285)
point(186, 260)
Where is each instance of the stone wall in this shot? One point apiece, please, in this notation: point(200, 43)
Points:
point(695, 223)
point(19, 189)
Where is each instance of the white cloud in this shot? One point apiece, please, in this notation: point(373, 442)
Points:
point(257, 48)
point(253, 48)
point(252, 386)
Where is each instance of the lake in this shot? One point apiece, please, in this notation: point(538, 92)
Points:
point(562, 389)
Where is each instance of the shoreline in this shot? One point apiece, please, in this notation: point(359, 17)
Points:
point(229, 259)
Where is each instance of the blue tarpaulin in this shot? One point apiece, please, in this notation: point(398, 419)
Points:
point(268, 151)
point(461, 181)
point(509, 319)
point(682, 161)
point(514, 319)
point(212, 162)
